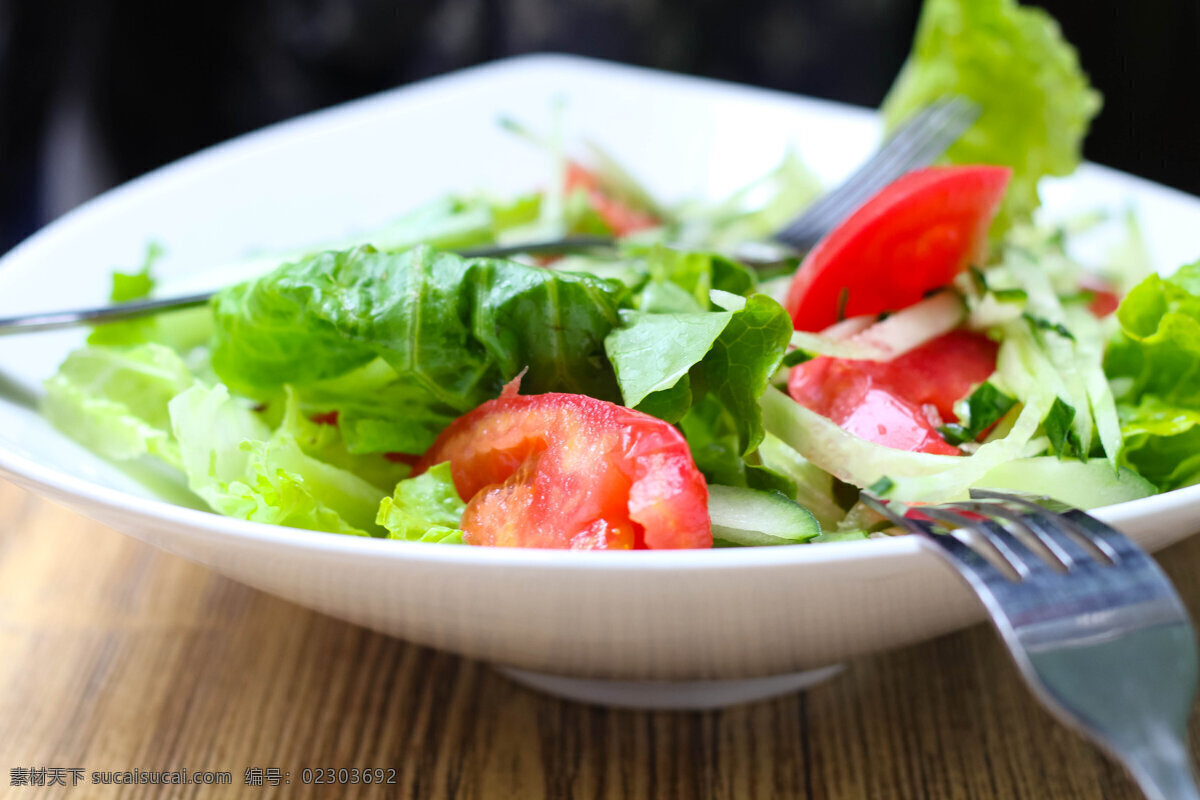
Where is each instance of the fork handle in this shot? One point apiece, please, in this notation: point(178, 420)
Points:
point(1162, 768)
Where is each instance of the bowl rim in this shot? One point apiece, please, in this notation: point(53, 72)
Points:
point(80, 491)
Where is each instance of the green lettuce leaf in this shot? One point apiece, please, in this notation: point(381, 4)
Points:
point(1154, 367)
point(424, 509)
point(182, 330)
point(320, 436)
point(671, 274)
point(665, 280)
point(242, 469)
point(114, 400)
point(654, 352)
point(1162, 443)
point(1012, 60)
point(456, 328)
point(128, 286)
point(377, 411)
point(740, 364)
point(706, 371)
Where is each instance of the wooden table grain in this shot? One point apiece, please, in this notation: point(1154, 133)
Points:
point(115, 656)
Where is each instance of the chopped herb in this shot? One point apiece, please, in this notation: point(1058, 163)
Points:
point(796, 357)
point(843, 299)
point(1046, 325)
point(1077, 298)
point(882, 486)
point(982, 409)
point(978, 279)
point(986, 406)
point(1058, 239)
point(1057, 424)
point(1010, 295)
point(955, 434)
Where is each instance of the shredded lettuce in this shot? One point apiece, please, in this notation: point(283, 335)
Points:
point(424, 509)
point(752, 213)
point(453, 222)
point(915, 477)
point(1013, 61)
point(1084, 485)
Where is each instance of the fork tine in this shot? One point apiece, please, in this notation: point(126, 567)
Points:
point(917, 143)
point(883, 508)
point(969, 561)
point(974, 566)
point(1084, 638)
point(895, 156)
point(1063, 547)
point(1020, 556)
point(1109, 541)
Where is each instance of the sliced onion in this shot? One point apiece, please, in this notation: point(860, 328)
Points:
point(916, 477)
point(903, 331)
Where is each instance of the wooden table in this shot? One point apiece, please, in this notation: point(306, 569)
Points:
point(115, 656)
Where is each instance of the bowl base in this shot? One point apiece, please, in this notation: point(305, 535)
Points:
point(670, 695)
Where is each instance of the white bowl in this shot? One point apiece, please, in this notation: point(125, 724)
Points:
point(690, 616)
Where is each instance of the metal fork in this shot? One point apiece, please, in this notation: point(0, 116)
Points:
point(915, 144)
point(1094, 625)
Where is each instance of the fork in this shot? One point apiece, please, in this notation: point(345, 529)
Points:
point(1093, 623)
point(917, 143)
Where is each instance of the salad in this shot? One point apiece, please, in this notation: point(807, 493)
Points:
point(669, 393)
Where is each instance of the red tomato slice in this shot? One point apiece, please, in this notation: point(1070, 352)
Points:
point(1104, 297)
point(914, 236)
point(570, 471)
point(622, 219)
point(898, 403)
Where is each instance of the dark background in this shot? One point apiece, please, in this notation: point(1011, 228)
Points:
point(94, 93)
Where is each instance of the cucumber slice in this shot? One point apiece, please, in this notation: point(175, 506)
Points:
point(750, 517)
point(1083, 485)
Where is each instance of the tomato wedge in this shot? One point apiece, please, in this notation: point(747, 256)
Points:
point(913, 236)
point(1105, 298)
point(622, 219)
point(570, 471)
point(898, 403)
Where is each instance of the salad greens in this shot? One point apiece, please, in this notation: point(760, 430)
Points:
point(242, 468)
point(1154, 365)
point(426, 508)
point(114, 400)
point(305, 395)
point(1012, 60)
point(453, 331)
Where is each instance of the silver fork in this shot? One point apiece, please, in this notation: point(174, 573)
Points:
point(1094, 625)
point(915, 144)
